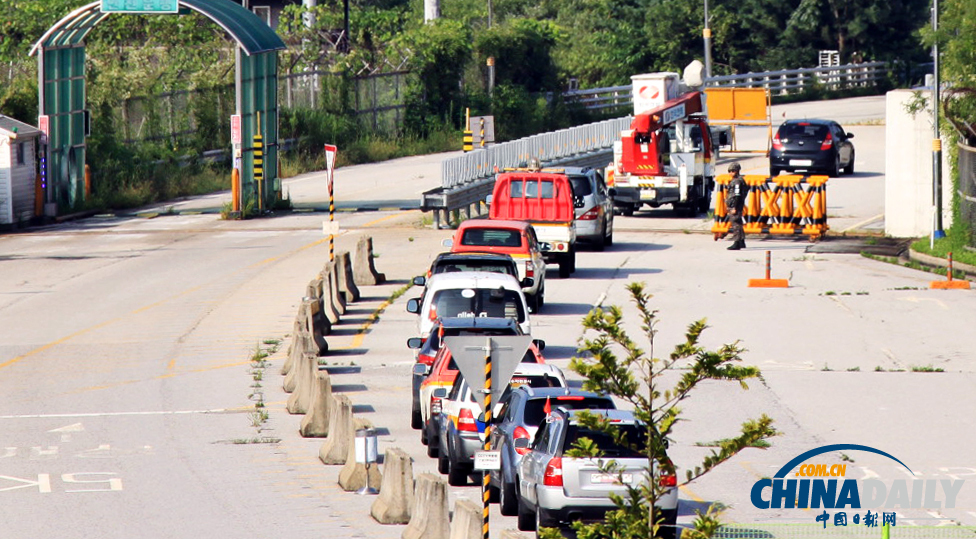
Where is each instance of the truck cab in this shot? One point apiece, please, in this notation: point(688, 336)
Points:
point(545, 199)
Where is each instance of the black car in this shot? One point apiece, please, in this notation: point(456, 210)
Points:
point(812, 146)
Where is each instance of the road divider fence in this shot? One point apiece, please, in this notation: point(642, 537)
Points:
point(430, 515)
point(781, 205)
point(396, 497)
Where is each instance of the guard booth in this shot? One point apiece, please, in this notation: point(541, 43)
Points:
point(66, 122)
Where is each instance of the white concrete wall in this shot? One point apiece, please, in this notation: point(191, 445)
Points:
point(909, 207)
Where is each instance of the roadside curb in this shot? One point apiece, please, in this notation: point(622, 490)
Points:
point(930, 260)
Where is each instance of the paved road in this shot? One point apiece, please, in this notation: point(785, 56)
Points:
point(128, 391)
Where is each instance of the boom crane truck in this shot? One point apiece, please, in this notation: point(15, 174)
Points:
point(668, 155)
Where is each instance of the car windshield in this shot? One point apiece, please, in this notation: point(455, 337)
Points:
point(491, 237)
point(581, 185)
point(635, 439)
point(803, 130)
point(478, 303)
point(492, 266)
point(535, 409)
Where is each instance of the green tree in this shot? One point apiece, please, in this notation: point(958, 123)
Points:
point(440, 52)
point(637, 377)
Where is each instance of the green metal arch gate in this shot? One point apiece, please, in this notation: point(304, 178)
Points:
point(62, 99)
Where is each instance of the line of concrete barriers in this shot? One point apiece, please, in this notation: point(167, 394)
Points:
point(419, 502)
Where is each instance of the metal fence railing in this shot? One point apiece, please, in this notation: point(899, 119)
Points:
point(546, 147)
point(782, 82)
point(967, 190)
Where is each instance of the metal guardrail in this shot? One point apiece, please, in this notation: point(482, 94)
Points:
point(782, 82)
point(547, 148)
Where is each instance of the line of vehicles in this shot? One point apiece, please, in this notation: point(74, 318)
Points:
point(488, 285)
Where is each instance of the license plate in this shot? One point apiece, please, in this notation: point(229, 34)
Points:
point(801, 163)
point(648, 194)
point(610, 479)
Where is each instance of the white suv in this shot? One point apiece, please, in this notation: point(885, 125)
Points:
point(470, 294)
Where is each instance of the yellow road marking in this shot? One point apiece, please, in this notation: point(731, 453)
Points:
point(688, 492)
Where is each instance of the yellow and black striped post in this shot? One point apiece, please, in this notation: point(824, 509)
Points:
point(331, 220)
point(259, 162)
point(468, 143)
point(486, 474)
point(481, 124)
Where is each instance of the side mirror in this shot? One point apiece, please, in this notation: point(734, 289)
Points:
point(539, 343)
point(527, 282)
point(421, 369)
point(488, 200)
point(850, 135)
point(420, 280)
point(415, 343)
point(449, 242)
point(612, 192)
point(440, 392)
point(545, 246)
point(522, 443)
point(481, 417)
point(723, 138)
point(413, 306)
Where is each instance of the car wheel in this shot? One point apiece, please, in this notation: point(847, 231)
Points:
point(541, 521)
point(507, 501)
point(609, 238)
point(533, 302)
point(629, 210)
point(601, 243)
point(835, 170)
point(424, 435)
point(493, 493)
point(849, 169)
point(526, 516)
point(774, 171)
point(432, 451)
point(443, 464)
point(572, 259)
point(542, 297)
point(564, 270)
point(416, 420)
point(456, 475)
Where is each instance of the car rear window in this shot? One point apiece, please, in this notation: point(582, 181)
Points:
point(581, 186)
point(531, 189)
point(483, 303)
point(636, 440)
point(529, 357)
point(475, 265)
point(492, 237)
point(535, 412)
point(803, 130)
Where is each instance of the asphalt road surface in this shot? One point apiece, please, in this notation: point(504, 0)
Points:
point(128, 390)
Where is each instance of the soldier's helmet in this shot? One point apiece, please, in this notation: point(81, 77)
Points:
point(735, 167)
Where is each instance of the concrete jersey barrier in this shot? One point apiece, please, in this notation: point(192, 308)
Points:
point(396, 497)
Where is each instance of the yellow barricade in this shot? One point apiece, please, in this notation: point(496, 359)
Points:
point(787, 204)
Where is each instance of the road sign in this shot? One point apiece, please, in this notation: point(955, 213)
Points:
point(488, 460)
point(506, 353)
point(235, 129)
point(330, 156)
point(140, 6)
point(482, 130)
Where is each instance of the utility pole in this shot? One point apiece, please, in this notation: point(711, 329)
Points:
point(707, 34)
point(937, 231)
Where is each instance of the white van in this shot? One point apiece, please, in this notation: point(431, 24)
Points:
point(470, 294)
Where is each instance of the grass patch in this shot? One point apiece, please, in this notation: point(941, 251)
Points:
point(926, 368)
point(854, 369)
point(256, 440)
point(952, 243)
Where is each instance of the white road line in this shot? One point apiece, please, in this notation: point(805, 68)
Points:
point(110, 414)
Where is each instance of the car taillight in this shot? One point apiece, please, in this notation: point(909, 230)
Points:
point(520, 432)
point(433, 312)
point(435, 406)
point(827, 142)
point(466, 421)
point(777, 145)
point(590, 215)
point(529, 269)
point(668, 480)
point(554, 473)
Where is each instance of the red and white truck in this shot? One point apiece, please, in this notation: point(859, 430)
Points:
point(668, 155)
